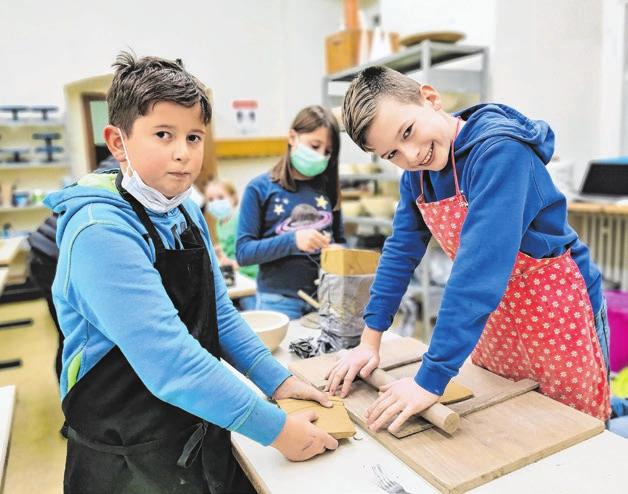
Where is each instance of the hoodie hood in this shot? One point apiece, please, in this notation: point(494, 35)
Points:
point(93, 188)
point(488, 121)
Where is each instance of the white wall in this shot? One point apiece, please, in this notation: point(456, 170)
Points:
point(546, 61)
point(270, 50)
point(614, 74)
point(554, 60)
point(475, 18)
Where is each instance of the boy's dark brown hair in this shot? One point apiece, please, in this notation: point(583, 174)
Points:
point(140, 83)
point(360, 102)
point(308, 120)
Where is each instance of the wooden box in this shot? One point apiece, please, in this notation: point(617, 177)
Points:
point(347, 262)
point(342, 49)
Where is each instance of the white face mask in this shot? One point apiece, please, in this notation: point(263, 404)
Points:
point(148, 197)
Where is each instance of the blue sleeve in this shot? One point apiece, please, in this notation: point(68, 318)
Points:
point(240, 345)
point(251, 248)
point(131, 308)
point(501, 185)
point(402, 252)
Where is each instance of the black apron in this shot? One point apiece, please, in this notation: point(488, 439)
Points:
point(123, 439)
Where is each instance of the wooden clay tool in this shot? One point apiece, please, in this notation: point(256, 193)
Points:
point(441, 416)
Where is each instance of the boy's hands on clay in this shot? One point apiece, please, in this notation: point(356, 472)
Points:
point(363, 360)
point(300, 440)
point(295, 388)
point(311, 240)
point(398, 401)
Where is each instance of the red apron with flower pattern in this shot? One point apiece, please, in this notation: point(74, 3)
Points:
point(543, 328)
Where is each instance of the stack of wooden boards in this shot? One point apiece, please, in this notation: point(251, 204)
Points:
point(505, 426)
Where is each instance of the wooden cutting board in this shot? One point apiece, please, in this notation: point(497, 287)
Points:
point(395, 352)
point(503, 435)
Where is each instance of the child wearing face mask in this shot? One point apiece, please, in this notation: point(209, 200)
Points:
point(290, 213)
point(147, 321)
point(222, 202)
point(524, 298)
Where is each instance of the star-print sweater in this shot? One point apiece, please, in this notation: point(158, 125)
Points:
point(513, 206)
point(269, 218)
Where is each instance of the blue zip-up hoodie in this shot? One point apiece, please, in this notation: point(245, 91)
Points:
point(513, 205)
point(107, 292)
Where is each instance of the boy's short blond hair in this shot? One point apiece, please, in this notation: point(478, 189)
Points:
point(360, 102)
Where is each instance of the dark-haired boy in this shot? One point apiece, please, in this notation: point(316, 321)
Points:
point(146, 315)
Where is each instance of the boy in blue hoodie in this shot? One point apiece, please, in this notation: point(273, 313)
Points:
point(146, 315)
point(524, 298)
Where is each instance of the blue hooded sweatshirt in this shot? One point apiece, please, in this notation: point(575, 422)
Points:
point(107, 292)
point(513, 206)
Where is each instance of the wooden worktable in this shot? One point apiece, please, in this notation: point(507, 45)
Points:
point(7, 402)
point(597, 208)
point(9, 248)
point(598, 463)
point(4, 276)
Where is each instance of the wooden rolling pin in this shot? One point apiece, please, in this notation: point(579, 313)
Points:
point(309, 299)
point(438, 414)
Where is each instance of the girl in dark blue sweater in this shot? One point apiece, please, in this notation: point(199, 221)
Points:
point(290, 213)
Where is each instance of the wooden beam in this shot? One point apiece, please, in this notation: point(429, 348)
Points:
point(253, 147)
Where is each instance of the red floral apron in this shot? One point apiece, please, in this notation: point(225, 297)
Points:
point(543, 328)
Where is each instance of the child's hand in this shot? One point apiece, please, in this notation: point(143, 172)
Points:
point(230, 262)
point(362, 359)
point(401, 399)
point(300, 440)
point(311, 240)
point(295, 388)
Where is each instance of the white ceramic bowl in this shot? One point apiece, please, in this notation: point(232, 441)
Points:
point(270, 326)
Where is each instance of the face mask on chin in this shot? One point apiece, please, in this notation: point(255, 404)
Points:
point(147, 196)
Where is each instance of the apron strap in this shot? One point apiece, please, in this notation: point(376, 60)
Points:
point(453, 162)
point(192, 446)
point(141, 213)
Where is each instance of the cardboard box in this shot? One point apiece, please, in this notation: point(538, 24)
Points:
point(342, 49)
point(348, 262)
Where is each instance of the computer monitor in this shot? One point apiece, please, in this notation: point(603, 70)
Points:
point(607, 177)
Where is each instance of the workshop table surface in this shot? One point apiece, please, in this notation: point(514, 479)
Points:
point(595, 464)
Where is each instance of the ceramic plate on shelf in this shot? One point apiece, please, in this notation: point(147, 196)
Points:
point(440, 36)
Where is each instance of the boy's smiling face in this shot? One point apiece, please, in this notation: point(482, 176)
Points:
point(412, 136)
point(165, 147)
